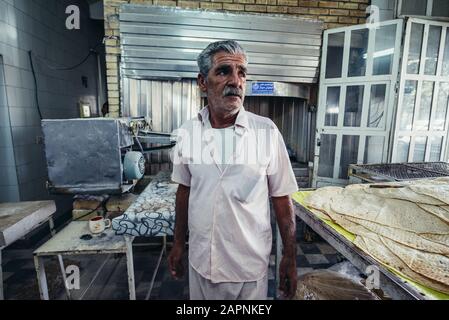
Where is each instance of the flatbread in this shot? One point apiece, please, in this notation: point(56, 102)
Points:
point(376, 249)
point(399, 214)
point(437, 191)
point(433, 266)
point(321, 196)
point(364, 227)
point(320, 214)
point(438, 211)
point(405, 193)
point(438, 238)
point(407, 238)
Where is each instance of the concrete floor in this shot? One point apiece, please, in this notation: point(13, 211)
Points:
point(20, 277)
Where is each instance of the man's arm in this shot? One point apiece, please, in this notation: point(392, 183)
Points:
point(285, 216)
point(181, 222)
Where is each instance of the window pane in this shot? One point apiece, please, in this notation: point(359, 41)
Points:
point(420, 149)
point(435, 148)
point(349, 151)
point(403, 147)
point(357, 53)
point(439, 120)
point(374, 149)
point(422, 122)
point(332, 106)
point(440, 8)
point(353, 106)
point(377, 106)
point(384, 49)
point(327, 155)
point(433, 48)
point(414, 7)
point(408, 106)
point(414, 54)
point(334, 61)
point(445, 69)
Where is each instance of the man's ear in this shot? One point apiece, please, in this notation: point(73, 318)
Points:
point(202, 82)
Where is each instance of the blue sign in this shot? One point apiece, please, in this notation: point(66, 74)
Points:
point(266, 88)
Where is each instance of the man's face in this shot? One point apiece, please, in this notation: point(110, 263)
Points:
point(226, 81)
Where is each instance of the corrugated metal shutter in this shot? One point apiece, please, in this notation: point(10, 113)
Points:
point(163, 43)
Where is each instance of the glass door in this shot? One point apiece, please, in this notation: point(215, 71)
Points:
point(359, 71)
point(422, 118)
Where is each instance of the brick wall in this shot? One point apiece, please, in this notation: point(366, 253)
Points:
point(332, 13)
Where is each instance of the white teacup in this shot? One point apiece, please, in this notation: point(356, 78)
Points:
point(99, 224)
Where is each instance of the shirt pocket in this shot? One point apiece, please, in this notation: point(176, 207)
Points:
point(248, 184)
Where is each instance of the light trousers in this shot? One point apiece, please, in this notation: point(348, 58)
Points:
point(203, 289)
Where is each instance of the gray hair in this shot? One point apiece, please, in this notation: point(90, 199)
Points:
point(204, 60)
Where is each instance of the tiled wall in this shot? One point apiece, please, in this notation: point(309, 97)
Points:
point(39, 25)
point(9, 188)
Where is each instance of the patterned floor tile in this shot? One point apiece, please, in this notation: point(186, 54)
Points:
point(314, 259)
point(309, 248)
point(325, 248)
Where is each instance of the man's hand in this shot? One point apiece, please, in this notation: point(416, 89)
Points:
point(283, 207)
point(175, 262)
point(287, 276)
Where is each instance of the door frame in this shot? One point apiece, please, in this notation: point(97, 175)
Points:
point(367, 81)
point(420, 78)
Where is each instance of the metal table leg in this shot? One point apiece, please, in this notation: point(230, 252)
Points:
point(41, 278)
point(2, 296)
point(130, 266)
point(153, 278)
point(61, 262)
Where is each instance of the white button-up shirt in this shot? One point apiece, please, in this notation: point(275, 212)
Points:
point(228, 215)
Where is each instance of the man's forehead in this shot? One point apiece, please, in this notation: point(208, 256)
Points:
point(225, 58)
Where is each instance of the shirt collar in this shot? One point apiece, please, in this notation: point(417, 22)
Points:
point(241, 122)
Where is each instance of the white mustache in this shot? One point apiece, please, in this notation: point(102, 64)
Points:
point(232, 91)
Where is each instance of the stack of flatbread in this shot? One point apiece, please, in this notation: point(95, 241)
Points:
point(404, 225)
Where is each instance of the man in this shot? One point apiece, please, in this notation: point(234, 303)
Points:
point(223, 196)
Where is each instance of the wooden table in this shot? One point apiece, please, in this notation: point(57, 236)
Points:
point(68, 241)
point(17, 219)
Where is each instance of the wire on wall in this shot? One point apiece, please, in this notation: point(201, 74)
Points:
point(31, 54)
point(36, 95)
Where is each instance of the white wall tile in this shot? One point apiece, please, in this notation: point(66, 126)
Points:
point(11, 96)
point(18, 116)
point(4, 118)
point(3, 101)
point(3, 34)
point(23, 60)
point(9, 177)
point(3, 11)
point(9, 193)
point(7, 157)
point(32, 117)
point(11, 15)
point(10, 34)
point(12, 76)
point(25, 173)
point(23, 136)
point(7, 53)
point(5, 137)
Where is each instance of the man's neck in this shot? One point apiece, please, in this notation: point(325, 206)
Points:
point(220, 120)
